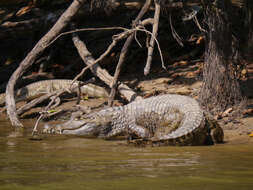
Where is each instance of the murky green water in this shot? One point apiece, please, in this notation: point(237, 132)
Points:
point(77, 163)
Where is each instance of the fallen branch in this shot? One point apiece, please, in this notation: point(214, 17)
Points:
point(152, 40)
point(87, 58)
point(34, 102)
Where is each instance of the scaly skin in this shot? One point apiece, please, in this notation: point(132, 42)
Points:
point(40, 88)
point(161, 120)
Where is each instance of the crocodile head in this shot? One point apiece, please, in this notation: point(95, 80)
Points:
point(97, 124)
point(87, 127)
point(90, 129)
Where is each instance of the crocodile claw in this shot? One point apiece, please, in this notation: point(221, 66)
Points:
point(58, 129)
point(48, 129)
point(52, 129)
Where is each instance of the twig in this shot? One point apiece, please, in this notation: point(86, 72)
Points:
point(36, 125)
point(157, 43)
point(142, 12)
point(152, 40)
point(46, 109)
point(115, 38)
point(136, 39)
point(174, 33)
point(85, 29)
point(195, 19)
point(42, 113)
point(34, 102)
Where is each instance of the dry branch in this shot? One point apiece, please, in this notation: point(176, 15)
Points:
point(124, 52)
point(152, 40)
point(35, 52)
point(34, 102)
point(86, 56)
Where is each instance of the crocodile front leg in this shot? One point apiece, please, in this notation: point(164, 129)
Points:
point(131, 130)
point(139, 131)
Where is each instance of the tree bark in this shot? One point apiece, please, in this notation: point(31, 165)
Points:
point(249, 9)
point(34, 53)
point(220, 88)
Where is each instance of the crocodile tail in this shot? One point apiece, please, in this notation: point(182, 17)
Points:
point(199, 136)
point(192, 124)
point(192, 129)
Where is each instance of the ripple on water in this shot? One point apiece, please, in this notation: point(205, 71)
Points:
point(78, 163)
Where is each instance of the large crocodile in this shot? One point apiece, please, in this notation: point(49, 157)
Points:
point(39, 88)
point(164, 120)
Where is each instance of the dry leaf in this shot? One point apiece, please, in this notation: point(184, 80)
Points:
point(25, 10)
point(201, 38)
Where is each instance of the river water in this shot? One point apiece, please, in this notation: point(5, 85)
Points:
point(60, 162)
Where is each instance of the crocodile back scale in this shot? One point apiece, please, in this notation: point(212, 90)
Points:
point(161, 120)
point(39, 88)
point(146, 117)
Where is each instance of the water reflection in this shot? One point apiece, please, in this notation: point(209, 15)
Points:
point(78, 163)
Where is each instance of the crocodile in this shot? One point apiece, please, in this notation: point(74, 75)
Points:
point(160, 120)
point(40, 88)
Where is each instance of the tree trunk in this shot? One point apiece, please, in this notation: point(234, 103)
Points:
point(220, 88)
point(249, 21)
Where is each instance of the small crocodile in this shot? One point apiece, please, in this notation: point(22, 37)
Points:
point(164, 120)
point(40, 88)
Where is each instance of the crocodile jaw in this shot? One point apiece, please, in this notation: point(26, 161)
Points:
point(87, 130)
